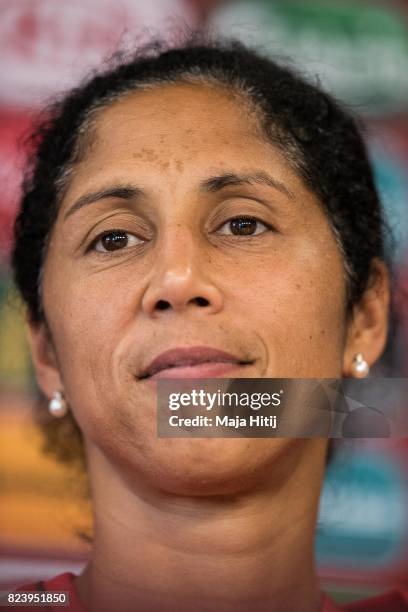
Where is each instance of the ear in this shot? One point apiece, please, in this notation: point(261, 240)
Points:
point(44, 358)
point(368, 327)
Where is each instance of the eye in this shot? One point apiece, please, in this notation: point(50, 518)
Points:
point(244, 226)
point(114, 240)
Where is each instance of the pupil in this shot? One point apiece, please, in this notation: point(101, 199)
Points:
point(243, 226)
point(114, 241)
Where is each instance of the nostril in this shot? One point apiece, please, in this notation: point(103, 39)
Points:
point(200, 301)
point(162, 305)
point(165, 305)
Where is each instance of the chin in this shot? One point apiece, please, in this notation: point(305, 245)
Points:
point(210, 466)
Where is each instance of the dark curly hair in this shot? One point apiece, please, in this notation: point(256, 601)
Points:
point(317, 135)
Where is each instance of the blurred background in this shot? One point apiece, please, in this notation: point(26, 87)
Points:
point(359, 52)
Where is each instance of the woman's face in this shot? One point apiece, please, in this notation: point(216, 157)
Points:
point(180, 163)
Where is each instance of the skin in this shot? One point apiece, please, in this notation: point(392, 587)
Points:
point(228, 523)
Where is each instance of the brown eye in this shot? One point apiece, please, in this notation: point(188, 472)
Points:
point(244, 226)
point(115, 240)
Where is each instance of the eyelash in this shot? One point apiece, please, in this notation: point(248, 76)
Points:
point(93, 244)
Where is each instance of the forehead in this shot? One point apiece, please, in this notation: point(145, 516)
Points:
point(169, 134)
point(176, 115)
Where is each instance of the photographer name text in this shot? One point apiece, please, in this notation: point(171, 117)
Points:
point(224, 421)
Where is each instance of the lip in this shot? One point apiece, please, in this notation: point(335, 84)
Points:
point(192, 362)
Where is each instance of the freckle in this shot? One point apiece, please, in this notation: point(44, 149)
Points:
point(297, 286)
point(310, 337)
point(147, 154)
point(179, 165)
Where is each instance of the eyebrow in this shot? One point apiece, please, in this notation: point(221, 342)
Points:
point(230, 179)
point(121, 192)
point(212, 184)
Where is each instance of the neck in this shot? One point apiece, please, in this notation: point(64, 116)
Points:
point(162, 552)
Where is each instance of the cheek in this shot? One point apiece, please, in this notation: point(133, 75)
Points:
point(297, 305)
point(87, 323)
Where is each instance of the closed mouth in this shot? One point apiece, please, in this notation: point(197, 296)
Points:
point(182, 358)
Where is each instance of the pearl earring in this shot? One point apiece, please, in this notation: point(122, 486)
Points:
point(360, 366)
point(57, 405)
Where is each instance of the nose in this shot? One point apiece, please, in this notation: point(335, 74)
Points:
point(179, 281)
